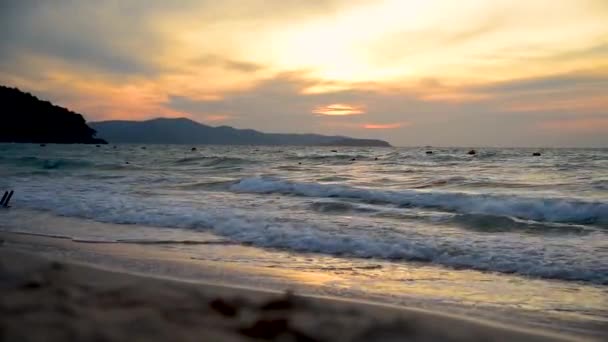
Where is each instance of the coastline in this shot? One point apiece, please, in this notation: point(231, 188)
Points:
point(80, 301)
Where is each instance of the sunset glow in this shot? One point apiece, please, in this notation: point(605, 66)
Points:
point(269, 65)
point(338, 110)
point(384, 126)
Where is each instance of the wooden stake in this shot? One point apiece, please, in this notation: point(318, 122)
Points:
point(3, 198)
point(8, 199)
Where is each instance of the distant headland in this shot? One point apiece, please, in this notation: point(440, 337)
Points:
point(186, 131)
point(26, 119)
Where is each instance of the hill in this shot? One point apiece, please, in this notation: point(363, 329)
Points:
point(26, 119)
point(186, 131)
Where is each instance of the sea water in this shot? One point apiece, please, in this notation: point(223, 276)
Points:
point(502, 215)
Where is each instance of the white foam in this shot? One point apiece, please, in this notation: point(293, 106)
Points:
point(357, 238)
point(538, 209)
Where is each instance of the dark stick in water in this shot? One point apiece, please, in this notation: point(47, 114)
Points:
point(3, 198)
point(8, 199)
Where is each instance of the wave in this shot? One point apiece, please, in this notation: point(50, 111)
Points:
point(495, 256)
point(48, 164)
point(213, 161)
point(498, 224)
point(561, 210)
point(207, 185)
point(123, 241)
point(339, 207)
point(333, 156)
point(507, 254)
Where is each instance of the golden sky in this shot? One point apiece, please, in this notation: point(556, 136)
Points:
point(414, 72)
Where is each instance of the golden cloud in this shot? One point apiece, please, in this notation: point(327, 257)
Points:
point(339, 109)
point(386, 125)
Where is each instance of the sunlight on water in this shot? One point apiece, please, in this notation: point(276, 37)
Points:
point(501, 229)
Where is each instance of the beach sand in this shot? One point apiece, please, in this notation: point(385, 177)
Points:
point(50, 300)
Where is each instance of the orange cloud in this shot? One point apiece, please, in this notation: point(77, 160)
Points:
point(580, 104)
point(216, 117)
point(339, 109)
point(386, 126)
point(577, 125)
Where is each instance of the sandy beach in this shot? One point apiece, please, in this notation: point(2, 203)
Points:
point(45, 299)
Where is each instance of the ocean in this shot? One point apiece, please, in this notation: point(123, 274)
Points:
point(501, 229)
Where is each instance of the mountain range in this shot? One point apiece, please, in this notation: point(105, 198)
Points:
point(24, 118)
point(186, 131)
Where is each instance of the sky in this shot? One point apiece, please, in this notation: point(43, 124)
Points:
point(412, 72)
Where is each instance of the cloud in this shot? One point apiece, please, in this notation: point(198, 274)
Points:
point(216, 117)
point(386, 125)
point(465, 73)
point(339, 109)
point(577, 125)
point(227, 63)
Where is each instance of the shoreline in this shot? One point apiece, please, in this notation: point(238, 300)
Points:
point(79, 301)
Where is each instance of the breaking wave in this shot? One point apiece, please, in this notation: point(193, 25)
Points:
point(537, 209)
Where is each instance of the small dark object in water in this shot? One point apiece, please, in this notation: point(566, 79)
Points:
point(429, 152)
point(97, 146)
point(334, 151)
point(193, 149)
point(143, 147)
point(127, 163)
point(114, 146)
point(6, 199)
point(223, 307)
point(299, 163)
point(376, 158)
point(536, 154)
point(472, 152)
point(42, 145)
point(33, 284)
point(353, 159)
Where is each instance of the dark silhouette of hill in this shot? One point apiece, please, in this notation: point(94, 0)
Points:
point(26, 119)
point(185, 131)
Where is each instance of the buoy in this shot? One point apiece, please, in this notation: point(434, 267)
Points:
point(536, 154)
point(472, 152)
point(193, 149)
point(429, 152)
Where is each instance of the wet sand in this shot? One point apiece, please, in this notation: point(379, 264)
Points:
point(49, 300)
